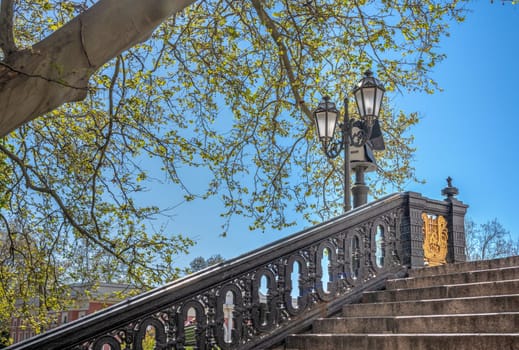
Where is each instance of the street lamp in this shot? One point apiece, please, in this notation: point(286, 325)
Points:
point(368, 94)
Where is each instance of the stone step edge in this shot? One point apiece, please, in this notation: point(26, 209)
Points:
point(413, 278)
point(297, 341)
point(444, 286)
point(428, 300)
point(475, 265)
point(392, 335)
point(476, 314)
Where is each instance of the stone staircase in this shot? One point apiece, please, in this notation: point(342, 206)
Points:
point(472, 305)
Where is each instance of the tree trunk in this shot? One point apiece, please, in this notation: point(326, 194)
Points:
point(57, 69)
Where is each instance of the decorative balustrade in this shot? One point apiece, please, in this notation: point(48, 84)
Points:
point(256, 300)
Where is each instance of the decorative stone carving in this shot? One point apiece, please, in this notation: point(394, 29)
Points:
point(436, 236)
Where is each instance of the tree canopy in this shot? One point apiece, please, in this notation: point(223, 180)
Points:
point(200, 262)
point(223, 86)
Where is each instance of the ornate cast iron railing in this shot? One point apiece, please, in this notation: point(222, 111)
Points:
point(256, 300)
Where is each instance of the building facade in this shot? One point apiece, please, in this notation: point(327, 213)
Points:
point(85, 302)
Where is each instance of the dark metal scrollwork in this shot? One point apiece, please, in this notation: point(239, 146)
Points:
point(355, 132)
point(239, 309)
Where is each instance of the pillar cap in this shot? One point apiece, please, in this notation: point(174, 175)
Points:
point(450, 191)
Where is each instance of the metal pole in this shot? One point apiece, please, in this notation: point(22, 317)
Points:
point(359, 190)
point(346, 141)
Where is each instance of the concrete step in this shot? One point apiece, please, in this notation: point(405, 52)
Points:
point(484, 304)
point(465, 306)
point(464, 267)
point(473, 323)
point(442, 292)
point(404, 341)
point(499, 274)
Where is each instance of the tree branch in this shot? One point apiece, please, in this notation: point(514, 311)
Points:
point(6, 28)
point(45, 189)
point(71, 55)
point(283, 55)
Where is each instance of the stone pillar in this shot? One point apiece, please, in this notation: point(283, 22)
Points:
point(412, 231)
point(456, 224)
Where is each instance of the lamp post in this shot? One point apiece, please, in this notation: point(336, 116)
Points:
point(368, 94)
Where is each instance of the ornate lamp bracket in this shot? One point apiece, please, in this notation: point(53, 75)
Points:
point(351, 134)
point(333, 149)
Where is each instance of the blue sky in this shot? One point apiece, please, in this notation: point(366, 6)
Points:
point(468, 132)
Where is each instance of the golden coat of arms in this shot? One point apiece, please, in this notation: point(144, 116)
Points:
point(435, 238)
